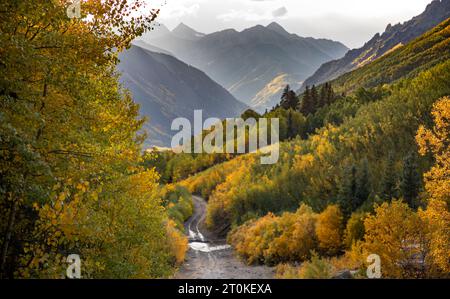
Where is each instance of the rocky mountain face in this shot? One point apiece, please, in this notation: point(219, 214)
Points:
point(167, 88)
point(392, 38)
point(246, 62)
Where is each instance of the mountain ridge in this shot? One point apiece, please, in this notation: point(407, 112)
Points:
point(186, 32)
point(245, 62)
point(431, 48)
point(167, 88)
point(394, 36)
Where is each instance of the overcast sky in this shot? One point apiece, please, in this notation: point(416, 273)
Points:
point(352, 22)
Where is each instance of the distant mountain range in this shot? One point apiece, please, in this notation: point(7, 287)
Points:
point(167, 88)
point(394, 37)
point(246, 62)
point(225, 72)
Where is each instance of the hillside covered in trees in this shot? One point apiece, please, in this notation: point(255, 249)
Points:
point(364, 162)
point(359, 173)
point(71, 180)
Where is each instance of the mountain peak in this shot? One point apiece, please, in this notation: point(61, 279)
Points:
point(186, 32)
point(437, 7)
point(158, 30)
point(256, 27)
point(182, 26)
point(274, 26)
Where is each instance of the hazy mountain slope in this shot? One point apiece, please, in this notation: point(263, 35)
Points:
point(185, 32)
point(245, 62)
point(270, 95)
point(394, 36)
point(144, 45)
point(158, 30)
point(167, 88)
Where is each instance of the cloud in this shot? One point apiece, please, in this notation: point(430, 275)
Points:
point(249, 15)
point(279, 12)
point(174, 10)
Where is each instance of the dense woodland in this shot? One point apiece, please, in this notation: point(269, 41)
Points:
point(363, 170)
point(71, 174)
point(364, 165)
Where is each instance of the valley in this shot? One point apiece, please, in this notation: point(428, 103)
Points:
point(95, 108)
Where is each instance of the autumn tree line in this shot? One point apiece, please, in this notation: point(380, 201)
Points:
point(72, 179)
point(350, 207)
point(366, 173)
point(296, 121)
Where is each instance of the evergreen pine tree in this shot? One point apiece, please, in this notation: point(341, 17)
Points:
point(363, 185)
point(290, 125)
point(389, 180)
point(286, 91)
point(347, 190)
point(289, 99)
point(323, 97)
point(314, 99)
point(411, 180)
point(330, 94)
point(306, 105)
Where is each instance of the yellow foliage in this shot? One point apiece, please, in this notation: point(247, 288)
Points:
point(395, 233)
point(178, 242)
point(316, 268)
point(286, 271)
point(436, 141)
point(436, 219)
point(273, 239)
point(221, 199)
point(329, 230)
point(354, 230)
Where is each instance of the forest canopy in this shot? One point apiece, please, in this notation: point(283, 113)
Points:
point(361, 170)
point(71, 180)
